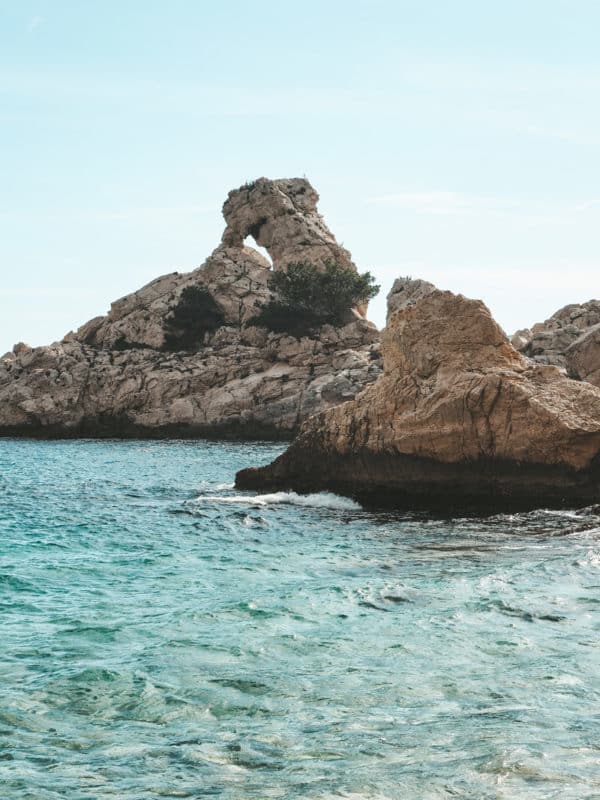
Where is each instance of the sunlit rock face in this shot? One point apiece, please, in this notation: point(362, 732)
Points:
point(282, 217)
point(459, 418)
point(113, 375)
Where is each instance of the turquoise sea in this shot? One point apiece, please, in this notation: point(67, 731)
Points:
point(164, 635)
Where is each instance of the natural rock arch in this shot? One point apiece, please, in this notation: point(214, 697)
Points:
point(281, 216)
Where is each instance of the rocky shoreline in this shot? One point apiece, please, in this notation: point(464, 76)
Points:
point(409, 483)
point(459, 419)
point(116, 377)
point(440, 410)
point(122, 428)
point(248, 384)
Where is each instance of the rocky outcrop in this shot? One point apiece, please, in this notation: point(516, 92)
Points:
point(582, 358)
point(236, 277)
point(548, 342)
point(282, 217)
point(114, 377)
point(459, 419)
point(248, 384)
point(405, 292)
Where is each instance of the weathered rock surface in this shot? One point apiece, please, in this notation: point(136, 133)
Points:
point(236, 277)
point(582, 358)
point(112, 376)
point(282, 217)
point(547, 342)
point(458, 419)
point(249, 384)
point(405, 292)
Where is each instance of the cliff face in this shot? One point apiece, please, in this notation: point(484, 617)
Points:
point(113, 375)
point(458, 418)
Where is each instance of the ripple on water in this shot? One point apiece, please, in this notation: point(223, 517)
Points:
point(165, 635)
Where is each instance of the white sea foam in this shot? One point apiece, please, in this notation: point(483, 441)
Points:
point(216, 487)
point(592, 559)
point(318, 500)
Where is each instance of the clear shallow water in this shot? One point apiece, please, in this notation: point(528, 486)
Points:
point(163, 635)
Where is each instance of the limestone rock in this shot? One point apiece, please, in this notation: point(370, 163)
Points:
point(547, 342)
point(521, 338)
point(583, 356)
point(458, 419)
point(231, 386)
point(282, 217)
point(112, 377)
point(236, 278)
point(405, 292)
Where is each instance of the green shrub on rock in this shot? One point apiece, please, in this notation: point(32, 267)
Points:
point(196, 314)
point(306, 297)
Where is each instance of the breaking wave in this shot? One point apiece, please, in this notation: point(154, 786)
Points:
point(317, 500)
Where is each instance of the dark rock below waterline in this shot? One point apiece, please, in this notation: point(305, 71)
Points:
point(411, 483)
point(121, 427)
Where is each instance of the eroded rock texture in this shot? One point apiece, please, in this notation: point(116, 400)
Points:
point(458, 419)
point(113, 376)
point(548, 342)
point(582, 358)
point(282, 217)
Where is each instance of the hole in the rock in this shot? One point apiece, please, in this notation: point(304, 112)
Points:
point(250, 242)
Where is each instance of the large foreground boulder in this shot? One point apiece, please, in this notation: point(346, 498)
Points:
point(121, 375)
point(459, 419)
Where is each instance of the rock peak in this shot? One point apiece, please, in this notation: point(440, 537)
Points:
point(281, 216)
point(405, 292)
point(126, 374)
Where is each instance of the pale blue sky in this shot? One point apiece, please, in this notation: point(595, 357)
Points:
point(454, 141)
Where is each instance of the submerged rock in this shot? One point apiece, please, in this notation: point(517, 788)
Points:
point(115, 377)
point(458, 419)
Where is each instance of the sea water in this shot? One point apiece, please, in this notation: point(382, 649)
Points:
point(164, 635)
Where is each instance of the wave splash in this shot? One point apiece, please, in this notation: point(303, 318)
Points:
point(317, 500)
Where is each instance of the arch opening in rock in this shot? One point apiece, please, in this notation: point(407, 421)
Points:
point(250, 241)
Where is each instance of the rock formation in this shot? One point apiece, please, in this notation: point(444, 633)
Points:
point(113, 375)
point(582, 358)
point(406, 291)
point(547, 342)
point(282, 217)
point(458, 419)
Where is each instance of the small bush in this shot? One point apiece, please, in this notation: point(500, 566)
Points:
point(307, 298)
point(281, 318)
point(124, 344)
point(196, 314)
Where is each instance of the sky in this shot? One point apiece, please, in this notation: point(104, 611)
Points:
point(457, 142)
